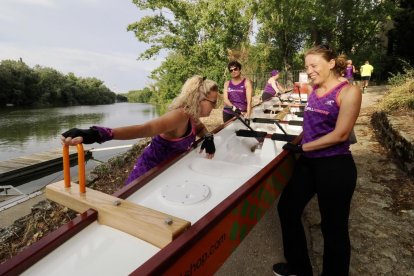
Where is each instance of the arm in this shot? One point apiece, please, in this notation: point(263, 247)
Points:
point(225, 94)
point(350, 105)
point(201, 130)
point(172, 123)
point(249, 93)
point(280, 87)
point(167, 123)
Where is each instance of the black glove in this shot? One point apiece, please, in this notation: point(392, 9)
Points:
point(233, 109)
point(208, 144)
point(89, 136)
point(293, 148)
point(236, 110)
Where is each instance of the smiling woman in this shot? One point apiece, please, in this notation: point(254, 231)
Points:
point(325, 168)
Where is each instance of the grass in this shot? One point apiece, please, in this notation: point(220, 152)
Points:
point(401, 94)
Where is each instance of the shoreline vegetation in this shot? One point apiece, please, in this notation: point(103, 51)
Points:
point(47, 216)
point(22, 86)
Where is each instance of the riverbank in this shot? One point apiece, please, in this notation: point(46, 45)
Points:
point(381, 221)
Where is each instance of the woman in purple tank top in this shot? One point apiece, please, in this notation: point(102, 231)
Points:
point(325, 168)
point(349, 71)
point(237, 92)
point(173, 133)
point(272, 87)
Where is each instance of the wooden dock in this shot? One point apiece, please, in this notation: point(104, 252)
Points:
point(16, 171)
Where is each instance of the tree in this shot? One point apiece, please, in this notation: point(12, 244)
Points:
point(197, 36)
point(402, 34)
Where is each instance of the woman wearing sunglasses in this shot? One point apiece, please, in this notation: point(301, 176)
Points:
point(237, 92)
point(172, 133)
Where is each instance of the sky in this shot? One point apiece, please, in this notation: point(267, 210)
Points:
point(86, 37)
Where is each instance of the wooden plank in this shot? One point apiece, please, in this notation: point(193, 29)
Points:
point(142, 222)
point(20, 170)
point(25, 161)
point(11, 165)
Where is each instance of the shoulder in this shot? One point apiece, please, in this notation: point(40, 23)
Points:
point(177, 114)
point(247, 81)
point(350, 93)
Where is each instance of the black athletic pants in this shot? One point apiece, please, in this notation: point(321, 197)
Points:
point(333, 180)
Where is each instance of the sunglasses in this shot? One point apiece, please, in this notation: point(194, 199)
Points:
point(233, 70)
point(213, 103)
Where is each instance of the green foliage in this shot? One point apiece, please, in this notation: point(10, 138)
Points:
point(121, 98)
point(402, 35)
point(200, 37)
point(139, 96)
point(197, 36)
point(42, 86)
point(401, 97)
point(399, 79)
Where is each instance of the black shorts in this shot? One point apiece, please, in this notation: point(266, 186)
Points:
point(266, 96)
point(366, 78)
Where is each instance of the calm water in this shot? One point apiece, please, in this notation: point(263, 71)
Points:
point(27, 131)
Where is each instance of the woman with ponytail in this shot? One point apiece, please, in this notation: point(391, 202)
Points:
point(325, 168)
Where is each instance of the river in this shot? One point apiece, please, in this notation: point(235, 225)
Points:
point(27, 131)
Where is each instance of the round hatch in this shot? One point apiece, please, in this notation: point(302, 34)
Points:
point(186, 193)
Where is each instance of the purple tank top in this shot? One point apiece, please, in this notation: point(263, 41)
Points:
point(237, 95)
point(349, 72)
point(320, 116)
point(159, 150)
point(269, 89)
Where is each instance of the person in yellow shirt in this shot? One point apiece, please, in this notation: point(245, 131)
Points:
point(366, 72)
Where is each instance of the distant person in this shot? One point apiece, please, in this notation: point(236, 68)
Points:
point(237, 92)
point(272, 87)
point(349, 71)
point(325, 168)
point(172, 133)
point(366, 72)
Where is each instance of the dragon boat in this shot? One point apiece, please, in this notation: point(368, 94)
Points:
point(184, 217)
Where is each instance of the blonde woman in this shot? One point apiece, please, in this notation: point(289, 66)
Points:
point(173, 133)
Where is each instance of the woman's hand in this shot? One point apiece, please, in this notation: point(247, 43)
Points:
point(208, 145)
point(92, 135)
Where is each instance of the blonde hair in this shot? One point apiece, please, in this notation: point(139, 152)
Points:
point(328, 54)
point(194, 90)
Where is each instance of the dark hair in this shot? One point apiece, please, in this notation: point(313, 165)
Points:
point(234, 63)
point(328, 53)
